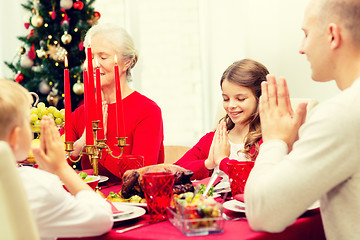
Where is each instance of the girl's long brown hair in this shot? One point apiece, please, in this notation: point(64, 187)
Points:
point(247, 73)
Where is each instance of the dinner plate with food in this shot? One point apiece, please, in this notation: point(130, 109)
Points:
point(132, 191)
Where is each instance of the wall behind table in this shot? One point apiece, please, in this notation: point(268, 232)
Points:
point(186, 45)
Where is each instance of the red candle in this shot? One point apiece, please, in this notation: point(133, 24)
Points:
point(100, 132)
point(88, 109)
point(68, 118)
point(119, 106)
point(93, 116)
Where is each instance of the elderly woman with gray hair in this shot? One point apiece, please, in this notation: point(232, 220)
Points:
point(142, 116)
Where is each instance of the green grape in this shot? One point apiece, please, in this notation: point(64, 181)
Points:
point(34, 117)
point(83, 175)
point(52, 109)
point(58, 121)
point(42, 112)
point(51, 115)
point(57, 114)
point(34, 110)
point(41, 105)
point(62, 114)
point(37, 123)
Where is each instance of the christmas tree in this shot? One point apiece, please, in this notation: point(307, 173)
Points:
point(56, 29)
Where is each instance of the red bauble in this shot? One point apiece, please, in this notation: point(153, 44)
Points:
point(78, 5)
point(31, 53)
point(19, 77)
point(81, 46)
point(27, 25)
point(53, 15)
point(97, 15)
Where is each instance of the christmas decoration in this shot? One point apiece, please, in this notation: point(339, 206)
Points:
point(31, 53)
point(41, 53)
point(81, 46)
point(78, 5)
point(66, 4)
point(26, 62)
point(66, 38)
point(53, 99)
point(19, 77)
point(56, 28)
point(57, 52)
point(22, 50)
point(44, 87)
point(78, 88)
point(52, 15)
point(37, 21)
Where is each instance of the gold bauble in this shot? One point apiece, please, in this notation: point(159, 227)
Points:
point(66, 38)
point(52, 99)
point(41, 53)
point(78, 88)
point(22, 50)
point(37, 20)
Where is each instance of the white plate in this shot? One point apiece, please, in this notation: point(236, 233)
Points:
point(238, 206)
point(133, 212)
point(143, 205)
point(103, 179)
point(234, 205)
point(222, 187)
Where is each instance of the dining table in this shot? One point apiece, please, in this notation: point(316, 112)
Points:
point(308, 226)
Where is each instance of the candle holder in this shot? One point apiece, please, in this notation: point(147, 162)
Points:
point(95, 151)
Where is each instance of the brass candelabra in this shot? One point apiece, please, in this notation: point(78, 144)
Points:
point(95, 151)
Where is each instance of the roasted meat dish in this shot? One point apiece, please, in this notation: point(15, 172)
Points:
point(133, 183)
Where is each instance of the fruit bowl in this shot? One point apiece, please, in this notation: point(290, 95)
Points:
point(196, 215)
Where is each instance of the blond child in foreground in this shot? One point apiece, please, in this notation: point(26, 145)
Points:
point(57, 213)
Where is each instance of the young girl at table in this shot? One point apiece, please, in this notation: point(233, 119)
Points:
point(238, 134)
point(57, 213)
point(142, 116)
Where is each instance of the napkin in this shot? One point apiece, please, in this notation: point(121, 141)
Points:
point(239, 197)
point(113, 208)
point(205, 181)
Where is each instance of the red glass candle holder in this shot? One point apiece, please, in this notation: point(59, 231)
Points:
point(238, 174)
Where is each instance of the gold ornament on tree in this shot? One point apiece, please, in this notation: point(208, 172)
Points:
point(22, 50)
point(66, 38)
point(78, 88)
point(37, 20)
point(41, 53)
point(53, 97)
point(57, 52)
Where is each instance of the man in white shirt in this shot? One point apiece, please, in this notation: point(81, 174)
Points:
point(324, 163)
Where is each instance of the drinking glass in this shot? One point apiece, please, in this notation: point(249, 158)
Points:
point(158, 190)
point(128, 162)
point(238, 174)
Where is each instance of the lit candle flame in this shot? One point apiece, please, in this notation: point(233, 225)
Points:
point(85, 64)
point(96, 62)
point(89, 42)
point(66, 62)
point(115, 60)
